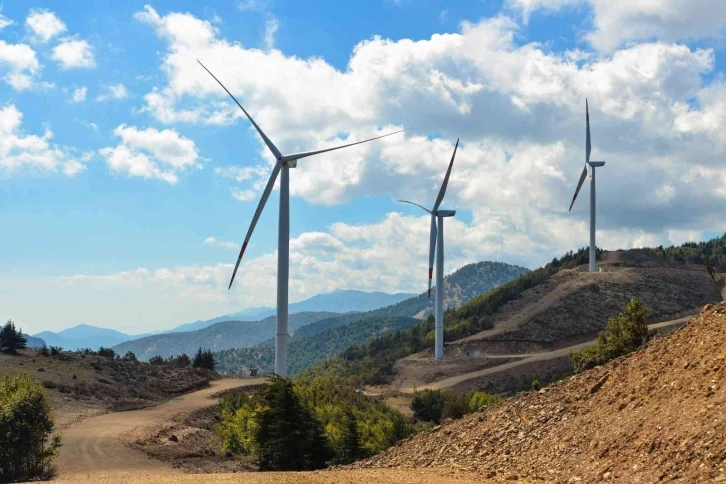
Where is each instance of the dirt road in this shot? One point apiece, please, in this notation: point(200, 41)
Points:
point(92, 448)
point(531, 357)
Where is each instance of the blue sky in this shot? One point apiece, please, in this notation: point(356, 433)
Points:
point(128, 179)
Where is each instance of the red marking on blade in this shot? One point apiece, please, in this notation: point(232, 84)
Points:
point(242, 251)
point(431, 271)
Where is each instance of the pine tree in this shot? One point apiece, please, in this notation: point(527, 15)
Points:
point(350, 448)
point(11, 339)
point(198, 358)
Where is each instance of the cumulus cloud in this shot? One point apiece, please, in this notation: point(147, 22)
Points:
point(79, 94)
point(44, 25)
point(20, 64)
point(517, 107)
point(616, 22)
point(151, 153)
point(20, 152)
point(113, 91)
point(72, 53)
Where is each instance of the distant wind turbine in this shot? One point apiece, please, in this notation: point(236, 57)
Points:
point(283, 163)
point(593, 165)
point(437, 238)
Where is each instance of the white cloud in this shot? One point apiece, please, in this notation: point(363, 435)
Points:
point(113, 91)
point(44, 25)
point(252, 5)
point(32, 153)
point(220, 243)
point(151, 153)
point(79, 94)
point(20, 63)
point(92, 126)
point(73, 53)
point(4, 21)
point(617, 22)
point(271, 26)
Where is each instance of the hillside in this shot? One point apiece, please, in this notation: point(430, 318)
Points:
point(653, 416)
point(341, 301)
point(217, 337)
point(328, 337)
point(83, 336)
point(82, 385)
point(551, 307)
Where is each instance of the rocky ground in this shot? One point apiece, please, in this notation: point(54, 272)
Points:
point(658, 415)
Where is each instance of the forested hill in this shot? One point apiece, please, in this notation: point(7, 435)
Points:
point(315, 342)
point(219, 336)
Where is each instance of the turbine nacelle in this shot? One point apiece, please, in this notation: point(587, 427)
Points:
point(445, 213)
point(596, 164)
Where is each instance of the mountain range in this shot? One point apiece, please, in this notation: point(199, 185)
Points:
point(83, 336)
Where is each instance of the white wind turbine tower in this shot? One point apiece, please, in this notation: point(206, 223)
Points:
point(437, 239)
point(283, 163)
point(593, 165)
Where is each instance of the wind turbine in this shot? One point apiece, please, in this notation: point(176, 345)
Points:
point(593, 165)
point(437, 238)
point(283, 163)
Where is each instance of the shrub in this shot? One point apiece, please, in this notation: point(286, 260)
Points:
point(130, 356)
point(55, 350)
point(624, 333)
point(44, 351)
point(536, 385)
point(157, 360)
point(428, 405)
point(455, 405)
point(106, 352)
point(11, 339)
point(27, 448)
point(481, 400)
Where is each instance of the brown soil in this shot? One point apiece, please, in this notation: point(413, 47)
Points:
point(95, 448)
point(365, 476)
point(654, 416)
point(82, 386)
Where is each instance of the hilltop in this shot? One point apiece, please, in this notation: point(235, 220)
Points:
point(315, 342)
point(655, 415)
point(83, 336)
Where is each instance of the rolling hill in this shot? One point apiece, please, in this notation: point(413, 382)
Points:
point(341, 301)
point(551, 307)
point(217, 337)
point(83, 336)
point(328, 337)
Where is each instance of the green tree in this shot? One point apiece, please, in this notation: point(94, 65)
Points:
point(156, 360)
point(11, 339)
point(130, 356)
point(623, 334)
point(288, 436)
point(106, 352)
point(428, 405)
point(27, 445)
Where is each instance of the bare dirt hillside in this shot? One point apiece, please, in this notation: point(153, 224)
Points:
point(82, 386)
point(657, 415)
point(568, 309)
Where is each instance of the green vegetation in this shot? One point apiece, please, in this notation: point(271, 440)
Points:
point(204, 359)
point(372, 362)
point(11, 339)
point(624, 333)
point(27, 448)
point(307, 424)
point(437, 405)
point(712, 253)
point(334, 334)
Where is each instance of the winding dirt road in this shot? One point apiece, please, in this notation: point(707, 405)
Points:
point(93, 449)
point(530, 357)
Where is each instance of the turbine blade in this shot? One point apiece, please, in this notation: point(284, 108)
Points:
point(414, 203)
point(442, 191)
point(588, 146)
point(258, 212)
point(579, 185)
point(432, 250)
point(267, 141)
point(305, 154)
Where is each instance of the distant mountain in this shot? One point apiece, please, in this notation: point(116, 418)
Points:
point(217, 337)
point(34, 342)
point(83, 336)
point(326, 338)
point(341, 301)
